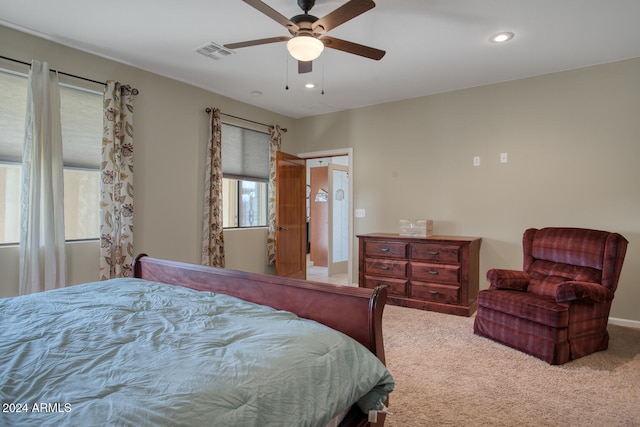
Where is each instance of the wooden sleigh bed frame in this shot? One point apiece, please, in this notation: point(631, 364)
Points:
point(356, 312)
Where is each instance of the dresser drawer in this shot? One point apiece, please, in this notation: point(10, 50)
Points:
point(435, 252)
point(380, 248)
point(383, 267)
point(396, 286)
point(435, 292)
point(439, 273)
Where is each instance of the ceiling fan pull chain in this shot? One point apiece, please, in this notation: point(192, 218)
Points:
point(322, 92)
point(286, 63)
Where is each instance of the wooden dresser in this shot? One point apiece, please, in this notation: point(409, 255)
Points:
point(438, 273)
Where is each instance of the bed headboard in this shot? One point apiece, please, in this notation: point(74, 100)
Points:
point(354, 311)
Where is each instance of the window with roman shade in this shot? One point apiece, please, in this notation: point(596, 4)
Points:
point(245, 169)
point(81, 117)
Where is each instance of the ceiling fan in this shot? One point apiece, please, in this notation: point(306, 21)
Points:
point(307, 32)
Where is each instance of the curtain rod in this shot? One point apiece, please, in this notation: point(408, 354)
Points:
point(133, 91)
point(208, 110)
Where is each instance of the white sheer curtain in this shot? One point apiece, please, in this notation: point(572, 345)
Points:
point(42, 245)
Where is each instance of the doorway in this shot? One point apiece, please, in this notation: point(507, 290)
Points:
point(329, 216)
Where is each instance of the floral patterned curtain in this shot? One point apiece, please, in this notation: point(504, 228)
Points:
point(116, 184)
point(212, 232)
point(275, 139)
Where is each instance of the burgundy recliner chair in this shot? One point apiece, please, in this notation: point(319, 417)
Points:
point(557, 309)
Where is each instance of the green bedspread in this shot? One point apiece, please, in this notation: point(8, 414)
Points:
point(129, 352)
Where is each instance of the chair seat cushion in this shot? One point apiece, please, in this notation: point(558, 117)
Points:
point(536, 308)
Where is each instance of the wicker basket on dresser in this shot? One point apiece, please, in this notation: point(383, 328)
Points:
point(438, 273)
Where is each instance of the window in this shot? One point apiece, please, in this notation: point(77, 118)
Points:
point(13, 105)
point(81, 117)
point(245, 169)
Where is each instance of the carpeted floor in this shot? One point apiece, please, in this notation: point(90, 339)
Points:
point(447, 376)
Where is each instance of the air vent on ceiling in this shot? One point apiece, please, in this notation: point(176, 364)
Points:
point(213, 51)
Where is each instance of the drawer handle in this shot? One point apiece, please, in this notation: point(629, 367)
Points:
point(384, 267)
point(384, 249)
point(434, 253)
point(433, 272)
point(433, 292)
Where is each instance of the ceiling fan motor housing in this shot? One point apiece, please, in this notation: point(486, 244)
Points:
point(305, 24)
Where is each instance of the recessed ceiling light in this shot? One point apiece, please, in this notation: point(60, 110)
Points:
point(310, 85)
point(501, 37)
point(256, 93)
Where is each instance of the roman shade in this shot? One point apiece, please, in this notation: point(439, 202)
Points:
point(245, 153)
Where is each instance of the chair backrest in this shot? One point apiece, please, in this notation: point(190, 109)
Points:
point(556, 254)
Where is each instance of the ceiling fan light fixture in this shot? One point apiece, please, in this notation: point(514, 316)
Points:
point(305, 47)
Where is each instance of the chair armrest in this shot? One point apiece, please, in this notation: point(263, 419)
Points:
point(508, 279)
point(584, 291)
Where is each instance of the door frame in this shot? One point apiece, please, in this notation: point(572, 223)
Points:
point(337, 153)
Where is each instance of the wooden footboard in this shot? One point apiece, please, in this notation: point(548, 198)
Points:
point(356, 312)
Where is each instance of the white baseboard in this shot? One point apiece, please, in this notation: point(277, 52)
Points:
point(625, 322)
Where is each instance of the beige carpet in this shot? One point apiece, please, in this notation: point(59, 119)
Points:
point(447, 376)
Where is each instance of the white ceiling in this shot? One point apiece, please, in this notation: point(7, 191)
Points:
point(432, 46)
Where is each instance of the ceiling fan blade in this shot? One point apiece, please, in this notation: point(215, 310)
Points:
point(355, 48)
point(256, 42)
point(272, 13)
point(342, 14)
point(305, 67)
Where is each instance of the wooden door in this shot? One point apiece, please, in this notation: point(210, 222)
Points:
point(291, 226)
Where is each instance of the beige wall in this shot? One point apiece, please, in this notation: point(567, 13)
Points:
point(572, 140)
point(573, 145)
